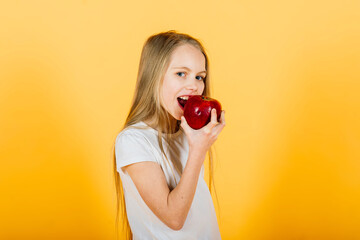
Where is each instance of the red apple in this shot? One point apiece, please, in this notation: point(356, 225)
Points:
point(197, 110)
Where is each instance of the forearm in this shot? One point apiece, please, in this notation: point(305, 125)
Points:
point(180, 198)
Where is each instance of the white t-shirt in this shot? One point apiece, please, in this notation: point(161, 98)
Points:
point(138, 145)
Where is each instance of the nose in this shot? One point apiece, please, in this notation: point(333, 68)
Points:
point(192, 85)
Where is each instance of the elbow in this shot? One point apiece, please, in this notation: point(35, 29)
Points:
point(176, 225)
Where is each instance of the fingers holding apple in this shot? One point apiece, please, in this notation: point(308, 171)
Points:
point(185, 126)
point(222, 118)
point(212, 123)
point(200, 140)
point(197, 110)
point(218, 128)
point(202, 122)
point(214, 117)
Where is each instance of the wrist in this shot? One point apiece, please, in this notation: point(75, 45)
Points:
point(198, 154)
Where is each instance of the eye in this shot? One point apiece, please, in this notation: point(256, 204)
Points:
point(201, 78)
point(180, 73)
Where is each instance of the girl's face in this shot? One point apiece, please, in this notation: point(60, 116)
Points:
point(184, 76)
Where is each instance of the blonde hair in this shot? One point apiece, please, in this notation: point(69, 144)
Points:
point(146, 103)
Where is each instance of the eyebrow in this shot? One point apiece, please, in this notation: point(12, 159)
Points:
point(189, 69)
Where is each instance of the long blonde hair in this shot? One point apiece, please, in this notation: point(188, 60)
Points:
point(146, 103)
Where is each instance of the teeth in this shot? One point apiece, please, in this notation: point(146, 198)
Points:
point(184, 97)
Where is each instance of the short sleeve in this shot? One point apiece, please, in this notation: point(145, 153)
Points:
point(132, 148)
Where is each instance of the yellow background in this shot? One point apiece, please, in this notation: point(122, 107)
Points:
point(286, 72)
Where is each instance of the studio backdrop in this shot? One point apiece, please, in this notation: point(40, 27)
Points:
point(287, 164)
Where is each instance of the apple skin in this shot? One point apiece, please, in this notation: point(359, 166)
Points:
point(197, 110)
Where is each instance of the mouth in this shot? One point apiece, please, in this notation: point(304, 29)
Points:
point(182, 101)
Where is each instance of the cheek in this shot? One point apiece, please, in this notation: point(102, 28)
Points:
point(170, 90)
point(202, 88)
point(167, 95)
point(166, 86)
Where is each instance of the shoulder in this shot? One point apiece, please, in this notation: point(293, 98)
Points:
point(134, 145)
point(138, 132)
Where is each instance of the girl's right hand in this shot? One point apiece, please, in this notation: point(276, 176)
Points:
point(201, 140)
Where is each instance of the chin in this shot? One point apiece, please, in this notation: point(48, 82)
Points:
point(177, 117)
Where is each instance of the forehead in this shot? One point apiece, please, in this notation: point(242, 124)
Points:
point(187, 56)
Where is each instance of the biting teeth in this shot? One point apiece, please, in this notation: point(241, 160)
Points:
point(184, 97)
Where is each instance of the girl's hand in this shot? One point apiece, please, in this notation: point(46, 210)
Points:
point(201, 140)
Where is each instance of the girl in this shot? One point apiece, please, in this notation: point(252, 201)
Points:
point(158, 157)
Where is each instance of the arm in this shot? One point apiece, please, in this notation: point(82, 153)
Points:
point(181, 197)
point(172, 207)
